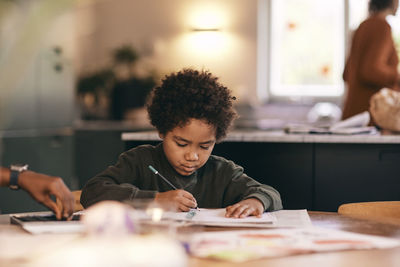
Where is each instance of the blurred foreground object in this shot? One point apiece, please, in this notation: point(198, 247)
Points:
point(113, 239)
point(121, 251)
point(109, 218)
point(113, 218)
point(385, 109)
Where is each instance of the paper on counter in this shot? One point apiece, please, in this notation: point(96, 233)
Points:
point(358, 120)
point(353, 125)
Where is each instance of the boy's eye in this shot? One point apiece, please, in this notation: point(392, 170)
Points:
point(181, 145)
point(204, 147)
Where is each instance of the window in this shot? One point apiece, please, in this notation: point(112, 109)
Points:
point(358, 11)
point(306, 46)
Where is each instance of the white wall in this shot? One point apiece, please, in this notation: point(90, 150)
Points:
point(161, 31)
point(33, 94)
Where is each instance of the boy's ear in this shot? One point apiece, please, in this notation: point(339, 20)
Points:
point(161, 135)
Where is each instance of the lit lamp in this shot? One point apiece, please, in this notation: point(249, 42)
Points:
point(206, 38)
point(207, 19)
point(205, 30)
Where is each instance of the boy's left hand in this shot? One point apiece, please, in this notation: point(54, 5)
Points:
point(244, 208)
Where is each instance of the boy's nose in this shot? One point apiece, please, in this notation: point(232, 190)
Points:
point(191, 156)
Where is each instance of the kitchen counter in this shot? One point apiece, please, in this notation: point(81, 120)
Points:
point(312, 171)
point(280, 137)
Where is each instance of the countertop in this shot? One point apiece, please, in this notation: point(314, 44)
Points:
point(280, 136)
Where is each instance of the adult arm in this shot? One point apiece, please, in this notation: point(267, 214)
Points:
point(41, 187)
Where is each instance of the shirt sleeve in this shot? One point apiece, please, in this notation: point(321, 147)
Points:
point(115, 183)
point(242, 187)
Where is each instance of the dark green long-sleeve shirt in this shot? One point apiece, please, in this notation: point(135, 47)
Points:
point(219, 183)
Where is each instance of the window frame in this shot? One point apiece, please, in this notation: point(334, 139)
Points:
point(264, 31)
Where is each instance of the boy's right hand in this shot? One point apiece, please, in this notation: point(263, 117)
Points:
point(180, 200)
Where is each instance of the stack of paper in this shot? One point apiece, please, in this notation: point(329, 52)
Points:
point(353, 125)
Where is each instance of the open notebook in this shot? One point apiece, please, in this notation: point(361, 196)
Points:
point(46, 222)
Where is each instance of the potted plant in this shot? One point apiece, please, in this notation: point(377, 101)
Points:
point(115, 92)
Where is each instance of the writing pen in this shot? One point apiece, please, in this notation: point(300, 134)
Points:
point(162, 177)
point(165, 179)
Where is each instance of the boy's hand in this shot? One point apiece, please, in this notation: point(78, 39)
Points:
point(180, 200)
point(244, 208)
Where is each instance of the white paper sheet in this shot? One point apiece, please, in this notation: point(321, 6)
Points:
point(218, 216)
point(291, 218)
point(54, 228)
point(359, 120)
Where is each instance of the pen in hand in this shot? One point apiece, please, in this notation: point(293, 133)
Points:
point(162, 177)
point(165, 179)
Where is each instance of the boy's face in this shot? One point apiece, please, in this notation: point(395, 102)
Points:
point(188, 148)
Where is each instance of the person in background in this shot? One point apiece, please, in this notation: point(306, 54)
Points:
point(41, 187)
point(372, 61)
point(191, 111)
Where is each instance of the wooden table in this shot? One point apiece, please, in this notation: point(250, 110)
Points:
point(331, 220)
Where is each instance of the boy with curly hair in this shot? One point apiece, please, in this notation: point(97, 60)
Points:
point(192, 112)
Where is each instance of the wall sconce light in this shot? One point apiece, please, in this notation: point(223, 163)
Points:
point(205, 29)
point(208, 18)
point(205, 38)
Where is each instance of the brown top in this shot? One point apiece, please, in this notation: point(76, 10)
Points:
point(371, 65)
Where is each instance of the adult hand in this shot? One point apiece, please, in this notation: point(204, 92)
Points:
point(41, 187)
point(244, 208)
point(180, 200)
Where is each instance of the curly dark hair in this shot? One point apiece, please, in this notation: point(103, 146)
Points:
point(191, 94)
point(379, 5)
